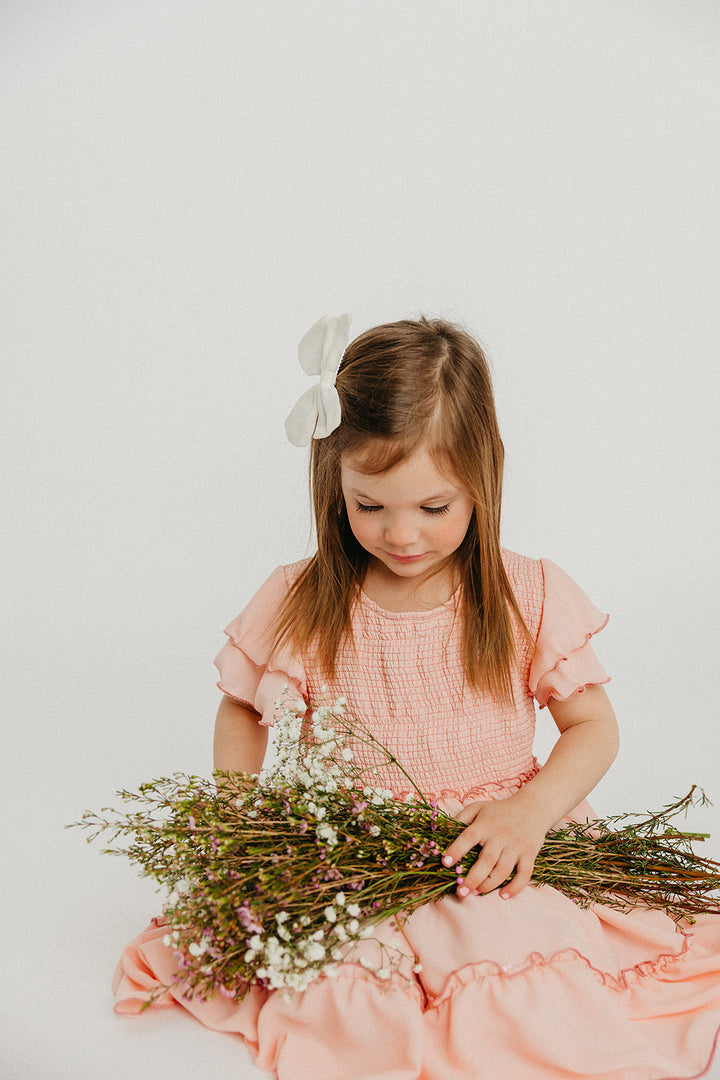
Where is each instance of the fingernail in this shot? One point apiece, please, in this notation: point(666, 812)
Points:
point(463, 890)
point(504, 896)
point(447, 860)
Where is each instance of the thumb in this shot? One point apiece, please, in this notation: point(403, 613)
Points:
point(467, 813)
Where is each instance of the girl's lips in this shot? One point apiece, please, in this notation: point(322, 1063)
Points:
point(405, 558)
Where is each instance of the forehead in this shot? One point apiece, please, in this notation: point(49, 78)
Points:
point(418, 475)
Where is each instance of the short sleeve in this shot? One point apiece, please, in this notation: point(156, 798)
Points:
point(564, 662)
point(250, 670)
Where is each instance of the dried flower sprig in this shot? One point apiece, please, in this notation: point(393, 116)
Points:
point(273, 880)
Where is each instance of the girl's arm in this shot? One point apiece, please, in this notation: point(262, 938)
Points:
point(511, 831)
point(240, 741)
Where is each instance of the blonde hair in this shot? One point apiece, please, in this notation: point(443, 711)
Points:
point(402, 385)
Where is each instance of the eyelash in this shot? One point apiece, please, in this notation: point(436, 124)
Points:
point(434, 510)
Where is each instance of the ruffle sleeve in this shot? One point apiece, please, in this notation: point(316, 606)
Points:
point(564, 662)
point(250, 671)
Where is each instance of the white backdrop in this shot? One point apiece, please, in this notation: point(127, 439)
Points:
point(186, 187)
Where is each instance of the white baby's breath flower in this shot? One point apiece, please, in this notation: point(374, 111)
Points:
point(330, 913)
point(340, 899)
point(354, 910)
point(348, 754)
point(383, 973)
point(315, 951)
point(328, 834)
point(195, 949)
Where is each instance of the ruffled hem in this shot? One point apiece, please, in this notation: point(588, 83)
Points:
point(556, 1014)
point(622, 981)
point(494, 789)
point(249, 671)
point(561, 1016)
point(564, 662)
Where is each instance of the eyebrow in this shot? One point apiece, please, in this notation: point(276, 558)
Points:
point(444, 496)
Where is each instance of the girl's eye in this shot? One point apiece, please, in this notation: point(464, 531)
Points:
point(371, 508)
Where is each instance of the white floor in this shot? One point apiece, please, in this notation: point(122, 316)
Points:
point(66, 920)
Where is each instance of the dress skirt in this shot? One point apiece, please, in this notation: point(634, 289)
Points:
point(531, 988)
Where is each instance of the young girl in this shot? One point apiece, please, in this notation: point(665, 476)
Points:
point(442, 642)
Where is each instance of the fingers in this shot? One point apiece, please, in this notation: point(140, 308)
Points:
point(468, 838)
point(508, 844)
point(521, 879)
point(467, 814)
point(507, 874)
point(493, 868)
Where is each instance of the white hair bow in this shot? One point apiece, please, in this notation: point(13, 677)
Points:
point(317, 413)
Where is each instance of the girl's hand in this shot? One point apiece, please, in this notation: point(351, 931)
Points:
point(510, 837)
point(511, 831)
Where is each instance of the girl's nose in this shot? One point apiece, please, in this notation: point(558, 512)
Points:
point(400, 532)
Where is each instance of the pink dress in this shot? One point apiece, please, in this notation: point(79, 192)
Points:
point(534, 988)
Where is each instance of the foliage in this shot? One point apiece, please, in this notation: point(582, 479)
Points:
point(273, 880)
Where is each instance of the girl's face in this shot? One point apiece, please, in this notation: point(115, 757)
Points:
point(410, 519)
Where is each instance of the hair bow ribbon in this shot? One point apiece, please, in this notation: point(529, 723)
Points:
point(317, 412)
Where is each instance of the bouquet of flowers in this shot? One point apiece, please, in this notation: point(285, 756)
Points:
point(273, 879)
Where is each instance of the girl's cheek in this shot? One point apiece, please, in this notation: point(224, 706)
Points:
point(362, 531)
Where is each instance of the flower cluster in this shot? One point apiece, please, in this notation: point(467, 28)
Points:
point(272, 880)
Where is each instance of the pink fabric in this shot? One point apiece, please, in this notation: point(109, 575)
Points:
point(248, 669)
point(533, 988)
point(403, 676)
point(563, 663)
